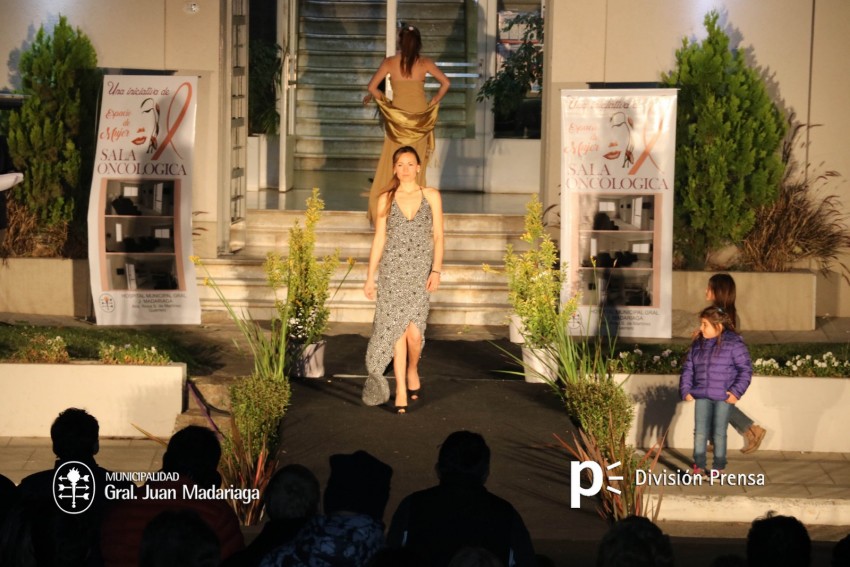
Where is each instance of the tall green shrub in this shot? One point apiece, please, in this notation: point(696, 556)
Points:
point(728, 137)
point(51, 137)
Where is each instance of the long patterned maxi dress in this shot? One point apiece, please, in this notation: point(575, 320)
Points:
point(402, 297)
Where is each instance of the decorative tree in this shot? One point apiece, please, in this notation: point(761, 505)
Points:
point(520, 71)
point(728, 137)
point(51, 137)
point(263, 85)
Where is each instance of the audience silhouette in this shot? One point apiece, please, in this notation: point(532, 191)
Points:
point(193, 454)
point(57, 537)
point(635, 542)
point(351, 532)
point(178, 538)
point(841, 553)
point(778, 541)
point(291, 499)
point(459, 512)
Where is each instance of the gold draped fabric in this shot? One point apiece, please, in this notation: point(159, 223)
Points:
point(406, 128)
point(408, 121)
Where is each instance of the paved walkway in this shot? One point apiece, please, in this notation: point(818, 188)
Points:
point(465, 388)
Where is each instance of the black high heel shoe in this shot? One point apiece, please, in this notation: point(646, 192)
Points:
point(401, 410)
point(414, 395)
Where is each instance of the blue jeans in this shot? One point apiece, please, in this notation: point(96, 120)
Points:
point(739, 420)
point(710, 416)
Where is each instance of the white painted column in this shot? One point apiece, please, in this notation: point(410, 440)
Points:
point(392, 29)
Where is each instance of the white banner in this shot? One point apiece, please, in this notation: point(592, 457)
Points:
point(617, 165)
point(140, 210)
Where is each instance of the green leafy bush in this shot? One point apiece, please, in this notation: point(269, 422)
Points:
point(728, 137)
point(599, 405)
point(259, 405)
point(51, 137)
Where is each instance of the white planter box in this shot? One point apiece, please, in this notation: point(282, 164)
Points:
point(117, 395)
point(45, 286)
point(783, 301)
point(800, 414)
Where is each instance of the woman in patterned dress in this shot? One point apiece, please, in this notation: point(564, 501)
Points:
point(404, 267)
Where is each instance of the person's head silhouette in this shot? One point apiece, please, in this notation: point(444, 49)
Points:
point(464, 455)
point(75, 435)
point(194, 452)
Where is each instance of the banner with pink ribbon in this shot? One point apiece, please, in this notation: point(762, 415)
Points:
point(140, 209)
point(617, 165)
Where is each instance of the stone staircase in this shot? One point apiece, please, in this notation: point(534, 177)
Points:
point(341, 44)
point(468, 295)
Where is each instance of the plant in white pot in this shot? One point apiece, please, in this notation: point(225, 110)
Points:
point(534, 289)
point(307, 281)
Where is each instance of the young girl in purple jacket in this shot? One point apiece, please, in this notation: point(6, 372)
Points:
point(715, 375)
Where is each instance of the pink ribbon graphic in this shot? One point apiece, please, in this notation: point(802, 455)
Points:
point(173, 129)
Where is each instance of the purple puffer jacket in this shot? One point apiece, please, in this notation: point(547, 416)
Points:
point(711, 371)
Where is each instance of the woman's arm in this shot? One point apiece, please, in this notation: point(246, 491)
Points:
point(436, 203)
point(441, 78)
point(376, 79)
point(377, 246)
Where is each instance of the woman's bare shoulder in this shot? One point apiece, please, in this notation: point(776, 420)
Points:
point(433, 195)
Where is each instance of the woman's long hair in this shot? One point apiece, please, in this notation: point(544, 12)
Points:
point(409, 43)
point(396, 182)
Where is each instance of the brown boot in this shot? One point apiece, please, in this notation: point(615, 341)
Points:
point(753, 437)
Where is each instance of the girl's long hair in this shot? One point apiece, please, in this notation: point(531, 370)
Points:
point(409, 42)
point(396, 183)
point(716, 316)
point(722, 287)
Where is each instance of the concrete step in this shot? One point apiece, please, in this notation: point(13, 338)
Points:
point(358, 244)
point(307, 163)
point(350, 293)
point(326, 59)
point(355, 221)
point(347, 93)
point(197, 417)
point(344, 10)
point(364, 9)
point(323, 112)
point(334, 25)
point(340, 146)
point(367, 43)
point(461, 268)
point(471, 314)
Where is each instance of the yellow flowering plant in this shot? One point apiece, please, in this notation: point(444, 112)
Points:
point(306, 279)
point(534, 279)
